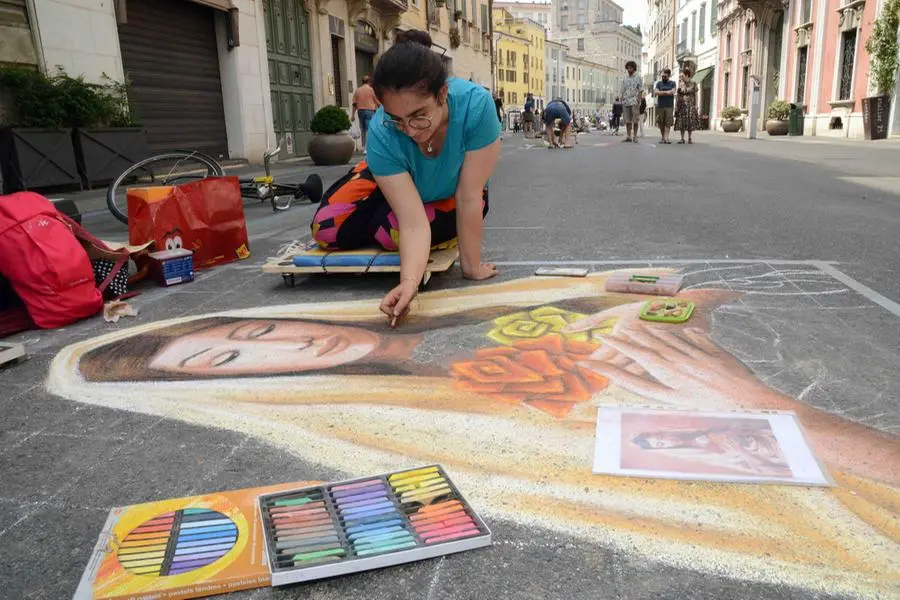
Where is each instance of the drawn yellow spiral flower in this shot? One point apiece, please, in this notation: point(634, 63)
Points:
point(542, 321)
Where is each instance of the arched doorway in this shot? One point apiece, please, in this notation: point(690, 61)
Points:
point(366, 45)
point(773, 65)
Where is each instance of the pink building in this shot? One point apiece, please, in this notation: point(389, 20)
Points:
point(751, 47)
point(808, 52)
point(827, 65)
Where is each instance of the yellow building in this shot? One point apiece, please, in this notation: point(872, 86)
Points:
point(459, 29)
point(519, 67)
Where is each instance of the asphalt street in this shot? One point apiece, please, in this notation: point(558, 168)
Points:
point(806, 228)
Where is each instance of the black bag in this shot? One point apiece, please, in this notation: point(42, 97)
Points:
point(110, 277)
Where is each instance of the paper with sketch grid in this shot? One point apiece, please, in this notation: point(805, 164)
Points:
point(707, 446)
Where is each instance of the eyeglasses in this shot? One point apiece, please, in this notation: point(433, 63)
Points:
point(418, 123)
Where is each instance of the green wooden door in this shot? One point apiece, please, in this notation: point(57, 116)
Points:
point(290, 73)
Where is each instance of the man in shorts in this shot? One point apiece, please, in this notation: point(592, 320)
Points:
point(631, 98)
point(364, 104)
point(557, 109)
point(665, 105)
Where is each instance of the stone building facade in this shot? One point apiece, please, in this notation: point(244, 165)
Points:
point(234, 77)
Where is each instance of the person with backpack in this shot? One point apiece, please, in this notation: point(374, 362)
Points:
point(643, 113)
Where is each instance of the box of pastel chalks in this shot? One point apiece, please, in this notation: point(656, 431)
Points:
point(367, 523)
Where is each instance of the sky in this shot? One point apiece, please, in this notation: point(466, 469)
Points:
point(635, 11)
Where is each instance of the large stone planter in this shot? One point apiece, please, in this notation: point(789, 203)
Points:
point(37, 158)
point(731, 126)
point(331, 148)
point(102, 154)
point(776, 127)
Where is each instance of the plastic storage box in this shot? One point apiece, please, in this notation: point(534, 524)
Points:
point(171, 267)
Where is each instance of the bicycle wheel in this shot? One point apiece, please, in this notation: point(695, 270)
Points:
point(170, 168)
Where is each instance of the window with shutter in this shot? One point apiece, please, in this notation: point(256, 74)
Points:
point(484, 18)
point(13, 12)
point(702, 33)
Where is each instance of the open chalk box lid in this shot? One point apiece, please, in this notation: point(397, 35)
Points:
point(350, 561)
point(667, 310)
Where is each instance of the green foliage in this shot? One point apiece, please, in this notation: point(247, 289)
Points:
point(330, 119)
point(32, 99)
point(882, 47)
point(779, 110)
point(52, 102)
point(731, 113)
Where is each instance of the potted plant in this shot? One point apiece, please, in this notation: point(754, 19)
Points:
point(35, 144)
point(731, 121)
point(882, 47)
point(457, 15)
point(108, 138)
point(331, 145)
point(455, 40)
point(777, 117)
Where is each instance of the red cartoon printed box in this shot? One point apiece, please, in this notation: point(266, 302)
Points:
point(206, 217)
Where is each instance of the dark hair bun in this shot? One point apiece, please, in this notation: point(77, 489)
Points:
point(416, 36)
point(410, 64)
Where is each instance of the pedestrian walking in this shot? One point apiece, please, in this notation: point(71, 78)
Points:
point(643, 111)
point(665, 105)
point(631, 97)
point(687, 119)
point(617, 110)
point(364, 104)
point(434, 148)
point(498, 105)
point(528, 116)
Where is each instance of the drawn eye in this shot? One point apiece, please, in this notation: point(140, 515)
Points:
point(224, 358)
point(178, 242)
point(261, 331)
point(170, 244)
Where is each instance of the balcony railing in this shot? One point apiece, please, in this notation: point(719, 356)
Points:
point(393, 7)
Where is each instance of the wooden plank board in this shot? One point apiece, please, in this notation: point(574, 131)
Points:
point(369, 260)
point(11, 352)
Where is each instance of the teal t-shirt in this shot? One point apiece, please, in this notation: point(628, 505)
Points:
point(473, 125)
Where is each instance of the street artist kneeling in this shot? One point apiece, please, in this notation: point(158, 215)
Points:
point(432, 146)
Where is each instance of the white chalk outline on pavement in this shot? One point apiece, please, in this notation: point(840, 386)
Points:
point(826, 266)
point(860, 288)
point(531, 227)
point(650, 261)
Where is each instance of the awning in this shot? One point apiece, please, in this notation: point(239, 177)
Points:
point(702, 74)
point(121, 8)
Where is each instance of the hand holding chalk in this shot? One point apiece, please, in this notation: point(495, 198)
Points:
point(396, 303)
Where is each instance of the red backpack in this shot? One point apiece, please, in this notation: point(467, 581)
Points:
point(44, 262)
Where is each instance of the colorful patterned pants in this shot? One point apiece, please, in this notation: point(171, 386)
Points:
point(355, 214)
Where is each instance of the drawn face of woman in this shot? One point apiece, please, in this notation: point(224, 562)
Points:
point(661, 441)
point(258, 346)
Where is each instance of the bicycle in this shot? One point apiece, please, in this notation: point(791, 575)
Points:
point(183, 166)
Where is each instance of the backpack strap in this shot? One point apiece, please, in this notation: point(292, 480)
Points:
point(113, 272)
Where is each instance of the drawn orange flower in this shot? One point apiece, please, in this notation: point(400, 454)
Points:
point(542, 373)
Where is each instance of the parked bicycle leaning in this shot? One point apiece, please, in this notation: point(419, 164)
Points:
point(179, 166)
